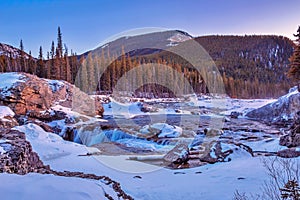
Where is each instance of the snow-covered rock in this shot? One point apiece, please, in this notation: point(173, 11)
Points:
point(283, 109)
point(162, 130)
point(6, 111)
point(24, 92)
point(7, 119)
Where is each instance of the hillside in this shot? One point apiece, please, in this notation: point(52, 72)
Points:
point(250, 60)
point(250, 66)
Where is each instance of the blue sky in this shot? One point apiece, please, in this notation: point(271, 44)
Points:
point(86, 23)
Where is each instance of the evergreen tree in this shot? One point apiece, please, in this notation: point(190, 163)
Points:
point(41, 67)
point(67, 68)
point(294, 71)
point(22, 57)
point(59, 43)
point(53, 69)
point(31, 64)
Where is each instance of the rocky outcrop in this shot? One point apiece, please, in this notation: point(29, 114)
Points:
point(283, 109)
point(292, 138)
point(8, 122)
point(288, 153)
point(33, 94)
point(18, 157)
point(178, 155)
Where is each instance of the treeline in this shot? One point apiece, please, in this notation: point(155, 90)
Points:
point(59, 63)
point(138, 76)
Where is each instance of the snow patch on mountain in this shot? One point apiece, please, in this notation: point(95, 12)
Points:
point(177, 38)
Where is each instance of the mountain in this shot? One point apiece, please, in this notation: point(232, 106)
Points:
point(156, 40)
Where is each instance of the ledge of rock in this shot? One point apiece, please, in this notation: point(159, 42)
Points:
point(25, 93)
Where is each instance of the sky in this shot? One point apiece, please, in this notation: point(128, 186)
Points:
point(87, 23)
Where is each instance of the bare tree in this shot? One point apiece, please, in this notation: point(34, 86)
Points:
point(284, 176)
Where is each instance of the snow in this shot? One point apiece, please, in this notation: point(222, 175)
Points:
point(215, 181)
point(6, 111)
point(48, 187)
point(227, 105)
point(8, 80)
point(55, 84)
point(243, 105)
point(2, 151)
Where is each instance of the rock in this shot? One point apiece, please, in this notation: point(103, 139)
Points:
point(178, 155)
point(235, 114)
point(146, 108)
point(292, 138)
point(47, 116)
point(288, 153)
point(19, 157)
point(8, 122)
point(216, 154)
point(33, 94)
point(68, 133)
point(283, 109)
point(161, 130)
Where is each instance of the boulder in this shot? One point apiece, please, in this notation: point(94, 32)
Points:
point(288, 153)
point(283, 109)
point(178, 155)
point(292, 138)
point(161, 130)
point(7, 119)
point(28, 93)
point(235, 114)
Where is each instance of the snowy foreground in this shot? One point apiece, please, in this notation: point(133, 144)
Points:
point(206, 182)
point(138, 179)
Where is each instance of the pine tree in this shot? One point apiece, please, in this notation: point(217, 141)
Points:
point(41, 67)
point(53, 69)
point(22, 57)
point(59, 43)
point(31, 64)
point(68, 75)
point(294, 71)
